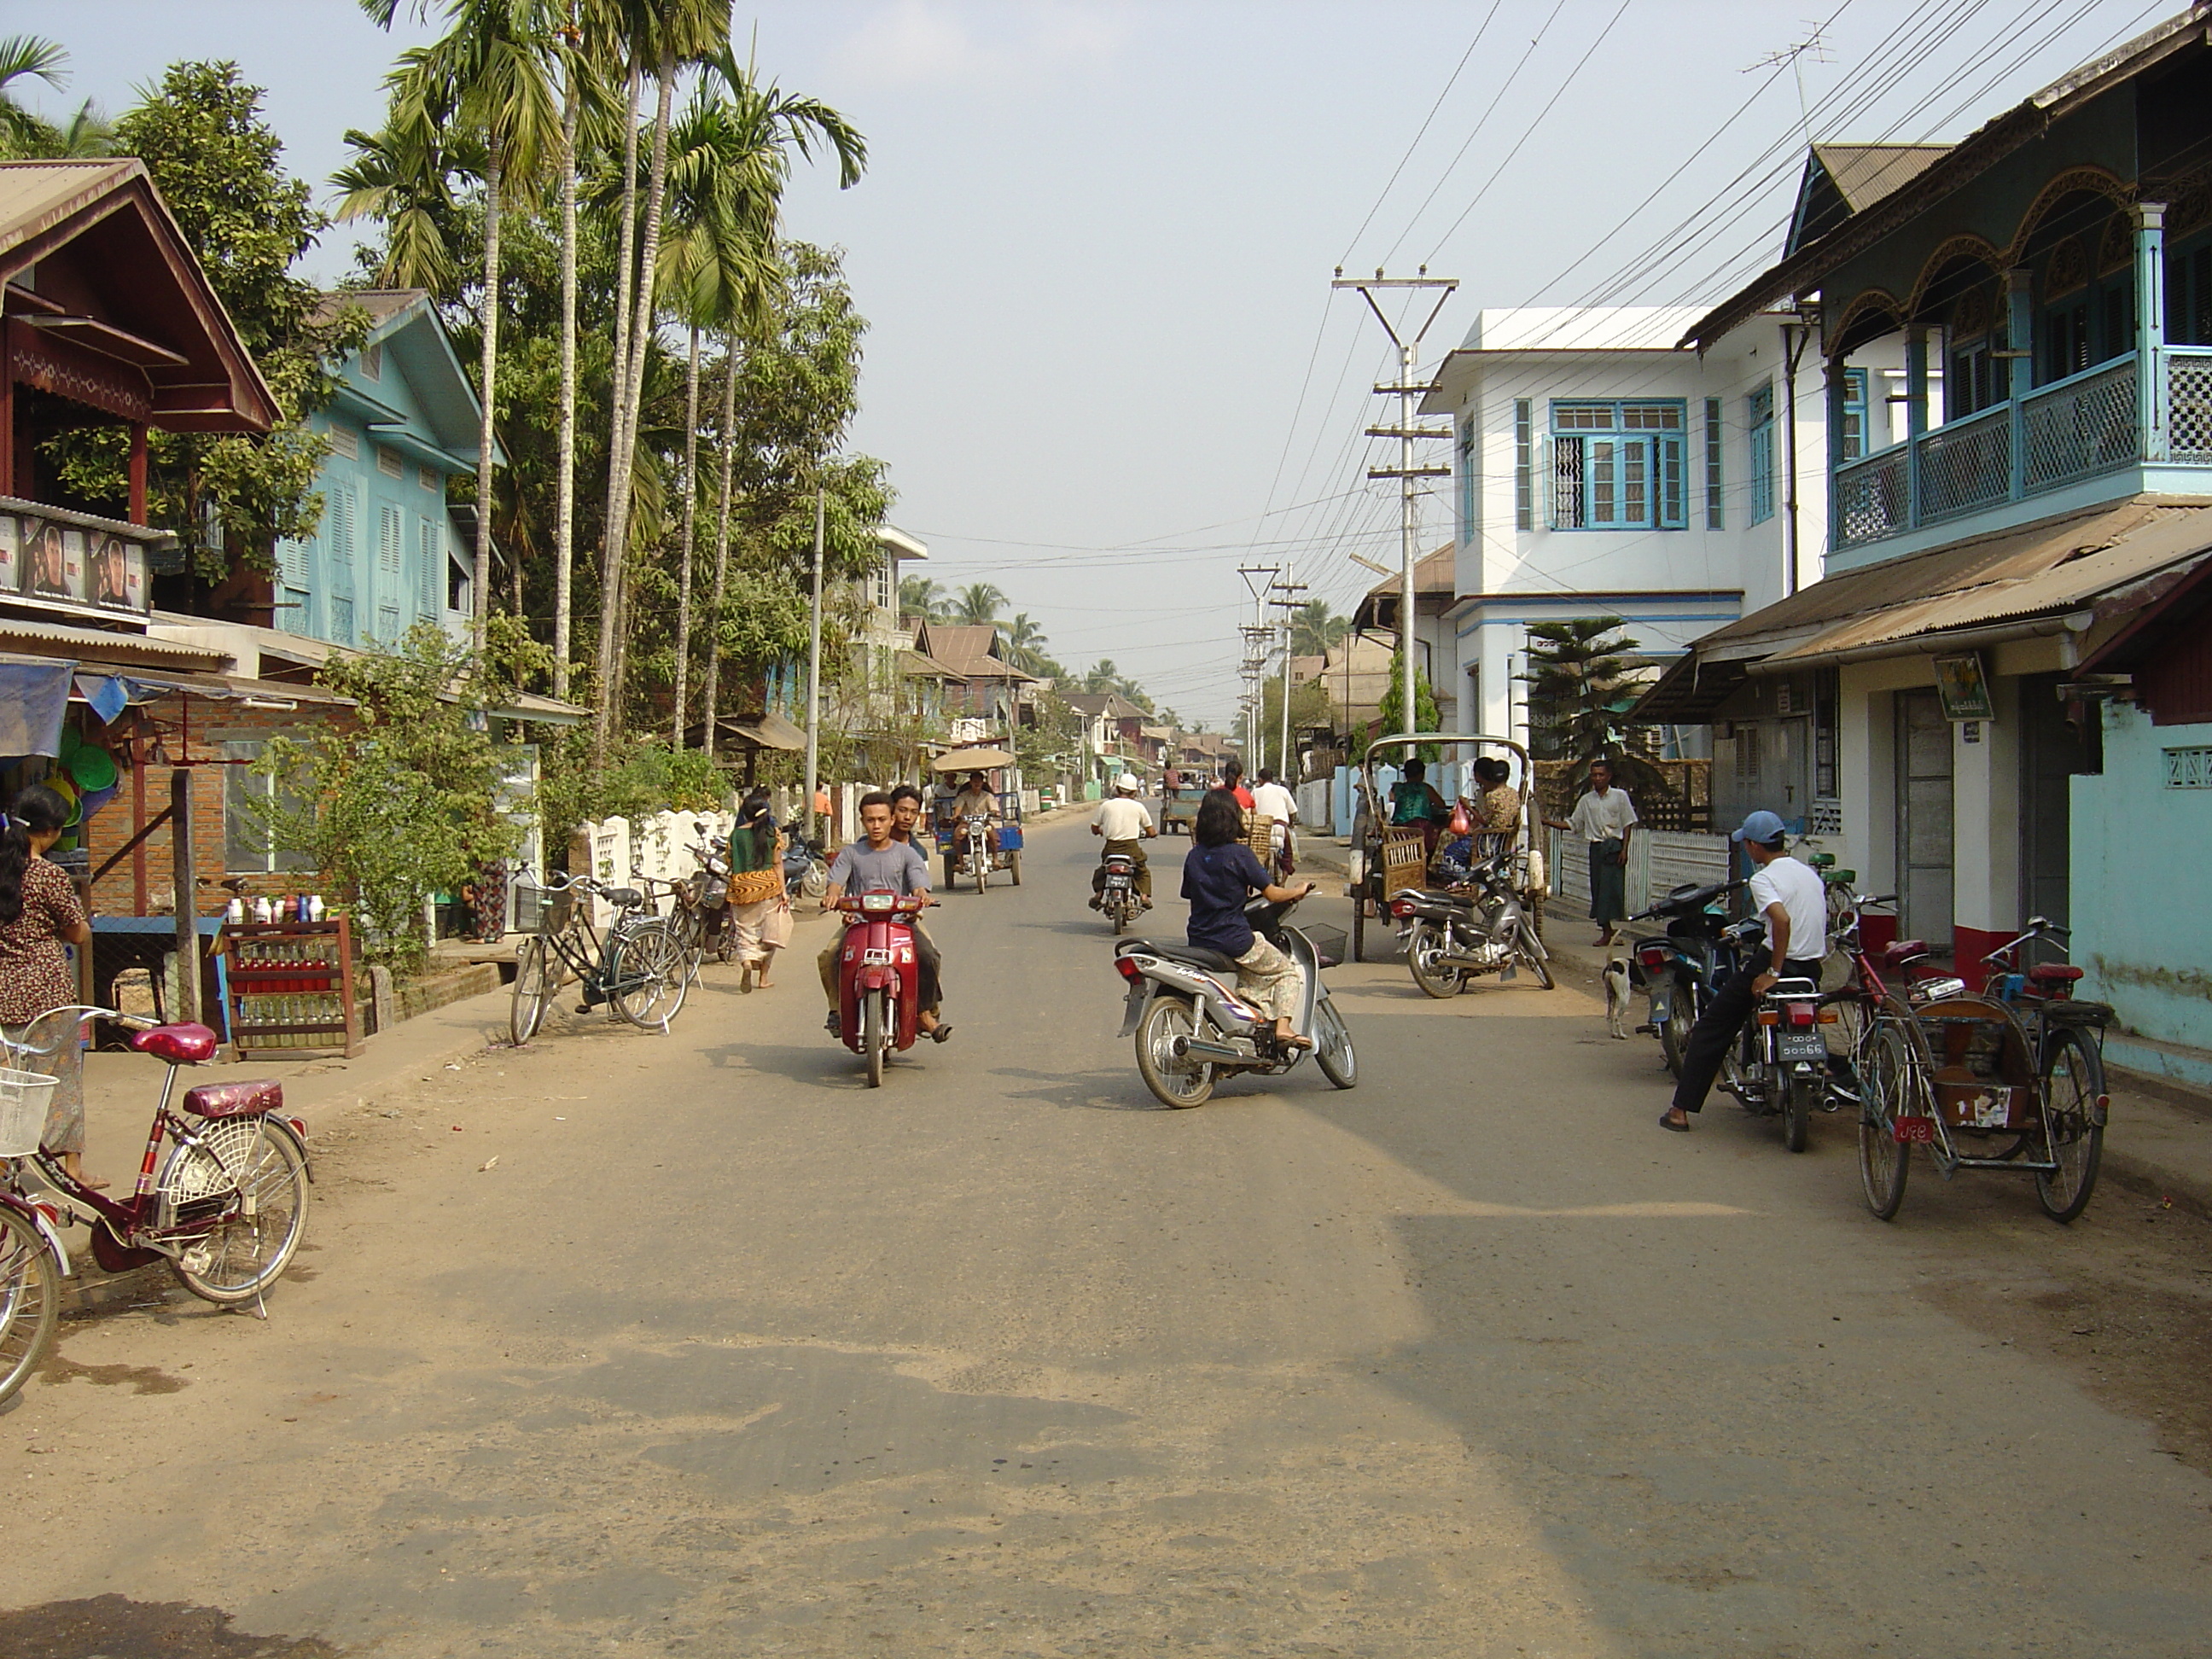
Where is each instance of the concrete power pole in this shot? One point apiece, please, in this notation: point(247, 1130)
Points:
point(1257, 634)
point(1288, 604)
point(814, 676)
point(1408, 390)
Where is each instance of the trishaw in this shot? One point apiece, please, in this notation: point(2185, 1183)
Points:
point(1387, 859)
point(976, 871)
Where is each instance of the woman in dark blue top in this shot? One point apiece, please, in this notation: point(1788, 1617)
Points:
point(1218, 874)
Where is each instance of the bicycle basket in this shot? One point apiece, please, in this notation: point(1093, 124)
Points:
point(529, 905)
point(1328, 944)
point(24, 1099)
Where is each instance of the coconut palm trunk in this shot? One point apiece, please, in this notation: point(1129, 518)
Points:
point(721, 533)
point(564, 485)
point(615, 524)
point(480, 586)
point(690, 521)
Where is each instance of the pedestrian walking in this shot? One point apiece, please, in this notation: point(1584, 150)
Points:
point(40, 915)
point(1791, 899)
point(760, 910)
point(1604, 818)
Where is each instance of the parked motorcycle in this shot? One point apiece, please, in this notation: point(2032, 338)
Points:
point(1118, 898)
point(806, 873)
point(1452, 936)
point(879, 977)
point(1779, 1065)
point(1683, 967)
point(1193, 1029)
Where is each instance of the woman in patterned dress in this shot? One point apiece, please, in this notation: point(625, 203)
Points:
point(39, 914)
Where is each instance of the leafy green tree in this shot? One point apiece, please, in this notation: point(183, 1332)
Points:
point(1582, 680)
point(218, 167)
point(1391, 710)
point(406, 806)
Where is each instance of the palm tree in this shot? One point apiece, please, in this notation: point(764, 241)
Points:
point(672, 34)
point(1025, 644)
point(920, 598)
point(488, 77)
point(1582, 681)
point(1315, 629)
point(34, 57)
point(978, 604)
point(734, 195)
point(401, 176)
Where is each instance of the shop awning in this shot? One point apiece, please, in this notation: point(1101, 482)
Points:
point(34, 695)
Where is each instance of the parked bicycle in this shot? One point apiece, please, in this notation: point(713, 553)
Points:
point(220, 1196)
point(635, 965)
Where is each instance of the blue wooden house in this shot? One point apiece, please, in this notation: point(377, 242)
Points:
point(390, 552)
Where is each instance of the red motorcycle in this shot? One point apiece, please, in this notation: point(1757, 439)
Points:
point(879, 977)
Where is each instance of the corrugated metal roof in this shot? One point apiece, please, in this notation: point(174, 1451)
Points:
point(1863, 173)
point(36, 195)
point(58, 640)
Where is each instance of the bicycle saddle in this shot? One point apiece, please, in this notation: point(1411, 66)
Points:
point(234, 1099)
point(180, 1045)
point(1904, 951)
point(626, 898)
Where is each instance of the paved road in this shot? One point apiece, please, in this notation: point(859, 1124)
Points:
point(728, 1355)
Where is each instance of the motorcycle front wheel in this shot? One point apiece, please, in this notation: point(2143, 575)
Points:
point(1539, 959)
point(1423, 947)
point(1333, 1047)
point(1176, 1082)
point(873, 1036)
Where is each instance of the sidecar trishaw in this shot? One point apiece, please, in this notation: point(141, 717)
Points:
point(1004, 850)
point(1387, 858)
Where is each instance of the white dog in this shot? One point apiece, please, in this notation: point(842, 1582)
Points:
point(1616, 992)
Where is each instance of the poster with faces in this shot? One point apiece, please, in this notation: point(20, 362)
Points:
point(11, 562)
point(74, 571)
point(119, 573)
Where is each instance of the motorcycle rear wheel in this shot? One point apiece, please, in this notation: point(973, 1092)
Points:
point(1800, 1097)
point(872, 1035)
point(1422, 944)
point(1175, 1083)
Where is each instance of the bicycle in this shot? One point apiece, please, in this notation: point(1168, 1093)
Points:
point(2070, 1063)
point(635, 965)
point(225, 1207)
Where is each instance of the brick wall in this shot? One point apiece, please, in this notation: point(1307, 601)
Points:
point(194, 729)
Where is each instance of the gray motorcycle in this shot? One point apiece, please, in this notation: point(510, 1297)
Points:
point(1453, 936)
point(1193, 1029)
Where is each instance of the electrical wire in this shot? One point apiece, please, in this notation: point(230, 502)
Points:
point(1345, 258)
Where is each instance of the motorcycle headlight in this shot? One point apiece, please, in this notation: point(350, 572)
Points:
point(877, 903)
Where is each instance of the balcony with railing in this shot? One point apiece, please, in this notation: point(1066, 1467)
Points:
point(2093, 437)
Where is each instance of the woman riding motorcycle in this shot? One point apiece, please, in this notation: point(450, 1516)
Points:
point(1219, 874)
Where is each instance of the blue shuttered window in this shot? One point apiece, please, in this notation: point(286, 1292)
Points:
point(1618, 465)
point(341, 534)
point(1758, 420)
point(1854, 413)
point(430, 569)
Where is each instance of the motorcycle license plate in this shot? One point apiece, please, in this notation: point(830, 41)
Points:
point(1117, 882)
point(1913, 1131)
point(1791, 1044)
point(878, 958)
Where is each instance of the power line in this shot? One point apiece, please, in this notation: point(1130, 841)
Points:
point(1425, 121)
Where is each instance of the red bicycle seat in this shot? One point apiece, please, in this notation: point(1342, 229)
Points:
point(234, 1099)
point(2054, 973)
point(180, 1045)
point(1902, 951)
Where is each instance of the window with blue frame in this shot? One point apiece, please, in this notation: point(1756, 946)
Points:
point(1854, 413)
point(1618, 465)
point(1758, 423)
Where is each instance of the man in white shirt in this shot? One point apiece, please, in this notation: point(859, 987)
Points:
point(1124, 821)
point(1270, 800)
point(1789, 895)
point(1602, 818)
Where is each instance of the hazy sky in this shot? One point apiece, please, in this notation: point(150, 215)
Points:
point(1095, 241)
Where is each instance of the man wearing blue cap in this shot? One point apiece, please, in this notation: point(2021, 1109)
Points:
point(1790, 897)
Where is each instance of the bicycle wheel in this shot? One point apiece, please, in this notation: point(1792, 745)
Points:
point(1423, 947)
point(1887, 1084)
point(1358, 926)
point(873, 1034)
point(30, 1299)
point(1173, 1081)
point(1014, 867)
point(533, 991)
point(646, 979)
point(1333, 1047)
point(2072, 1116)
point(242, 1194)
point(1533, 953)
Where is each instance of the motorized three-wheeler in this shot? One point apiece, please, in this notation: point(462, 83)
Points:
point(975, 868)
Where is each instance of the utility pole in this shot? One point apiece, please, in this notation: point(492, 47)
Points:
point(1257, 635)
point(1408, 389)
point(814, 675)
point(1288, 604)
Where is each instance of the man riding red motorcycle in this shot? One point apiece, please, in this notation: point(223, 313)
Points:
point(879, 865)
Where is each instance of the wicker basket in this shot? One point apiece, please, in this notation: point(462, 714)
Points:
point(24, 1097)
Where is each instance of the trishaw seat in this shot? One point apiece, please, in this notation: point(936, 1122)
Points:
point(2054, 973)
point(1902, 951)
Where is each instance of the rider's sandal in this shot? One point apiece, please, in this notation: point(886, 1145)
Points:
point(1667, 1121)
point(941, 1034)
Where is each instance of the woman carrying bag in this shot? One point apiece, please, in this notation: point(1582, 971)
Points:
point(760, 912)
